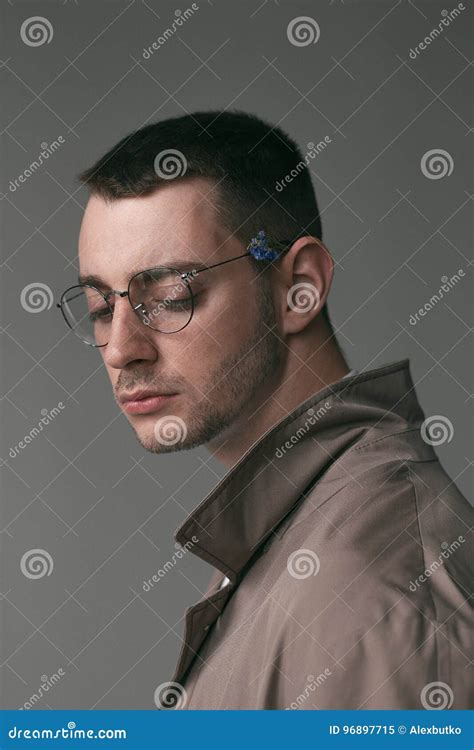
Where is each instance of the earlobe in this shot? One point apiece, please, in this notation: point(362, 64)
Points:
point(303, 304)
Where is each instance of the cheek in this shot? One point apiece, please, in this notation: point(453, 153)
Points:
point(230, 317)
point(212, 335)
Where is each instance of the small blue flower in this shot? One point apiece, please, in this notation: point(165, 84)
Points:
point(259, 248)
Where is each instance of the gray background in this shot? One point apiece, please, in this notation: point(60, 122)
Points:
point(84, 490)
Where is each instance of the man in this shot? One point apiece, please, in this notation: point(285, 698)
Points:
point(339, 542)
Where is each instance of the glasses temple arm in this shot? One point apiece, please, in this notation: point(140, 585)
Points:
point(195, 271)
point(284, 243)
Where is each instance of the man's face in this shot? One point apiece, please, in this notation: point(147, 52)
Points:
point(221, 365)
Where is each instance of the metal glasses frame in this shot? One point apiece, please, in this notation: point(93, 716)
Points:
point(184, 275)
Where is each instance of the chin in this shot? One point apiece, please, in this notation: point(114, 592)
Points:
point(165, 434)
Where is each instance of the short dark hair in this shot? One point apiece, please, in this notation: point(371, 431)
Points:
point(246, 157)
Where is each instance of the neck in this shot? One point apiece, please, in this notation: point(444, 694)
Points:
point(312, 363)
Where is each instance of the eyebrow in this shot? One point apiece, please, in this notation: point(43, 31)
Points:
point(94, 280)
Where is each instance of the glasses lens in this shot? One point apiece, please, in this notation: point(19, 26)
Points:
point(88, 314)
point(162, 298)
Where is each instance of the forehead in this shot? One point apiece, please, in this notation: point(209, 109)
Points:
point(178, 222)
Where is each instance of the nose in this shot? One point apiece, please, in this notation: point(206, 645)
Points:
point(129, 338)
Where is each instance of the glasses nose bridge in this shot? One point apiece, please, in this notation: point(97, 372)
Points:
point(139, 309)
point(116, 291)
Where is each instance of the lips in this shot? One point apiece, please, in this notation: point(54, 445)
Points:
point(140, 394)
point(144, 402)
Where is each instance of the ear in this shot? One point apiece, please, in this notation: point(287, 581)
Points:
point(305, 277)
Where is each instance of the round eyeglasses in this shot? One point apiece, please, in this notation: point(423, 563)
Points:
point(161, 297)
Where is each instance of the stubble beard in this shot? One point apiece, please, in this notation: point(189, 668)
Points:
point(233, 385)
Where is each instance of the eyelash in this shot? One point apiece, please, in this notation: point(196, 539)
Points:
point(179, 303)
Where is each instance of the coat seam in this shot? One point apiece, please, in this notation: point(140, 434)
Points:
point(428, 583)
point(382, 437)
point(417, 510)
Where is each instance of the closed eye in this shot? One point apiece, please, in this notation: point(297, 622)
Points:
point(100, 315)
